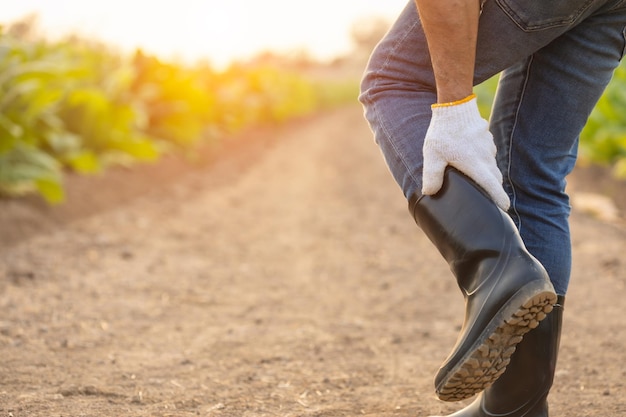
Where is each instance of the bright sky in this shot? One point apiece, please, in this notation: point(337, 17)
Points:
point(217, 29)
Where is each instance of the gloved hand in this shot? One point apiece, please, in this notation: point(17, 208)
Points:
point(458, 136)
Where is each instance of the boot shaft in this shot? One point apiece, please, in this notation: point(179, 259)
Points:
point(506, 290)
point(468, 229)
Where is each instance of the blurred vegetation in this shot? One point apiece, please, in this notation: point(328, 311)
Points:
point(79, 105)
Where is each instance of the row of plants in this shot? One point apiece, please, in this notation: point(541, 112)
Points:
point(79, 106)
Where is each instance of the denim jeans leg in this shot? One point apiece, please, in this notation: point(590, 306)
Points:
point(558, 56)
point(397, 90)
point(542, 105)
point(398, 86)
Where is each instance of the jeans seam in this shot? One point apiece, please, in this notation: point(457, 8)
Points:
point(522, 91)
point(617, 6)
point(383, 122)
point(384, 66)
point(383, 125)
point(517, 19)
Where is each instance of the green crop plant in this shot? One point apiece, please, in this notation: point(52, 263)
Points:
point(77, 105)
point(31, 91)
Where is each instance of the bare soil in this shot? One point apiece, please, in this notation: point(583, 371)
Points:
point(280, 276)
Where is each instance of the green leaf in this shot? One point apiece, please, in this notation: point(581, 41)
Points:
point(140, 148)
point(85, 162)
point(25, 168)
point(6, 143)
point(10, 128)
point(51, 190)
point(63, 142)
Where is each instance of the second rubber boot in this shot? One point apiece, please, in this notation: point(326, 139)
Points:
point(522, 391)
point(506, 290)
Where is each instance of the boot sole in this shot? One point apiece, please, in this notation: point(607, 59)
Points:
point(490, 355)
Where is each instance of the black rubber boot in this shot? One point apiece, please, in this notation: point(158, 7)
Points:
point(507, 291)
point(522, 391)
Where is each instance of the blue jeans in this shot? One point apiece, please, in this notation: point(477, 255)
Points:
point(555, 59)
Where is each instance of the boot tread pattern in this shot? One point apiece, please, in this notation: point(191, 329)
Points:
point(487, 362)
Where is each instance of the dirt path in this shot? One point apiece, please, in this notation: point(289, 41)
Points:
point(299, 287)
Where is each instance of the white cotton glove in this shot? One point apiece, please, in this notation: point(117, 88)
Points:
point(458, 136)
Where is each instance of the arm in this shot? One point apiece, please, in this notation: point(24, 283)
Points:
point(457, 135)
point(451, 28)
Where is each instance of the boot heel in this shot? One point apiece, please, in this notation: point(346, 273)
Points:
point(491, 354)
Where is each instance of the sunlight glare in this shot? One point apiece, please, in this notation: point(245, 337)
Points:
point(218, 30)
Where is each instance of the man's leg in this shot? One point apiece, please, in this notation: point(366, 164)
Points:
point(542, 104)
point(398, 86)
point(398, 89)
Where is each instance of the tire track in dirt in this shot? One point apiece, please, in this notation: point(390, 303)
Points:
point(301, 287)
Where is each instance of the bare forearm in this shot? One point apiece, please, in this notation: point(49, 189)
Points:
point(451, 28)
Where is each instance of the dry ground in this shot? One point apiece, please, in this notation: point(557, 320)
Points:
point(285, 279)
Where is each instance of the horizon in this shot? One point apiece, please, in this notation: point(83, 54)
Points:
point(189, 29)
